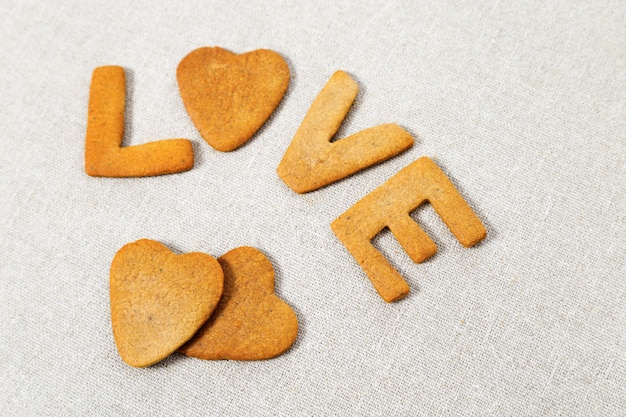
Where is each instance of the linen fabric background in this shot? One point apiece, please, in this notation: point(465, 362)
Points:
point(521, 103)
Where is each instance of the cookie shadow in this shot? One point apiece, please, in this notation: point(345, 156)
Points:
point(199, 155)
point(129, 107)
point(172, 247)
point(173, 359)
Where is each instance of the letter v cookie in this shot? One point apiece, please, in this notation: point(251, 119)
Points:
point(312, 161)
point(390, 206)
point(250, 322)
point(104, 156)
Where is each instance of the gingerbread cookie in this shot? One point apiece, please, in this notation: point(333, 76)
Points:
point(250, 322)
point(104, 156)
point(312, 161)
point(230, 96)
point(390, 206)
point(159, 300)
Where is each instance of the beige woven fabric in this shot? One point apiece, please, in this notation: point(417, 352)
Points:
point(522, 104)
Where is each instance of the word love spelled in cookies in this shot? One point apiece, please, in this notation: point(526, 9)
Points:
point(228, 98)
point(226, 308)
point(160, 300)
point(104, 156)
point(390, 206)
point(312, 161)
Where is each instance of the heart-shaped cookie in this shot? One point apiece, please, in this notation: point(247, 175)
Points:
point(160, 299)
point(250, 322)
point(230, 96)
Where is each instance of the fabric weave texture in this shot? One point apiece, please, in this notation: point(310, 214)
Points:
point(522, 104)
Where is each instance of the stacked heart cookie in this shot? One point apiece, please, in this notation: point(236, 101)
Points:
point(192, 303)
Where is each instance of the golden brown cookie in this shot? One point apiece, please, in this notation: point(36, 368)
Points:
point(230, 96)
point(312, 161)
point(159, 300)
point(104, 156)
point(250, 322)
point(390, 206)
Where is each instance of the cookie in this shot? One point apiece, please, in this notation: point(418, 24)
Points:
point(228, 96)
point(312, 161)
point(159, 299)
point(104, 156)
point(390, 206)
point(250, 322)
